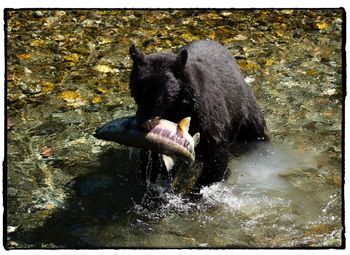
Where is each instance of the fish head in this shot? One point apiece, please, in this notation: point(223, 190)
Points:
point(115, 128)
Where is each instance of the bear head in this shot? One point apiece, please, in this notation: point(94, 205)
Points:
point(156, 82)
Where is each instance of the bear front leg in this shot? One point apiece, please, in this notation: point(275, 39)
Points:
point(215, 164)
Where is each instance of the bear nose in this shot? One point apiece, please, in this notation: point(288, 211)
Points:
point(149, 124)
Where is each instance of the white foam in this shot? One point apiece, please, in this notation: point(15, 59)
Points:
point(255, 182)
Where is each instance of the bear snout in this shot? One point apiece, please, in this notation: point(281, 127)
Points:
point(149, 124)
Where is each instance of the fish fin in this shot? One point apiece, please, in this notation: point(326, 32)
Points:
point(196, 138)
point(168, 162)
point(183, 125)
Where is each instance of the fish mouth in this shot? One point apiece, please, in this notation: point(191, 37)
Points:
point(98, 133)
point(102, 132)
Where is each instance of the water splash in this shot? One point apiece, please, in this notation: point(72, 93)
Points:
point(256, 180)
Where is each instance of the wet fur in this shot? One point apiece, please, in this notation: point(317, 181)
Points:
point(203, 81)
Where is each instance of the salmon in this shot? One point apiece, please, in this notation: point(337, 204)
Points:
point(170, 139)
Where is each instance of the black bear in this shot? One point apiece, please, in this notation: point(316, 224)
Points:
point(202, 80)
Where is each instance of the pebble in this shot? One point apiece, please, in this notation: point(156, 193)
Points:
point(96, 100)
point(24, 56)
point(31, 88)
point(329, 92)
point(27, 71)
point(60, 13)
point(70, 117)
point(72, 58)
point(11, 191)
point(103, 69)
point(68, 95)
point(38, 14)
point(48, 128)
point(10, 123)
point(249, 79)
point(50, 206)
point(13, 243)
point(240, 37)
point(226, 14)
point(46, 152)
point(47, 87)
point(11, 77)
point(11, 229)
point(72, 98)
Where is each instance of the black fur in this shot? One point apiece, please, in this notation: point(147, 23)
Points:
point(202, 81)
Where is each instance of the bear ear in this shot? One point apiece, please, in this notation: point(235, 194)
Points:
point(136, 55)
point(181, 58)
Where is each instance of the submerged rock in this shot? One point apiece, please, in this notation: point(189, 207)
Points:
point(69, 117)
point(47, 128)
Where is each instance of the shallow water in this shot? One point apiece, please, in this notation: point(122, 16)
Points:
point(67, 74)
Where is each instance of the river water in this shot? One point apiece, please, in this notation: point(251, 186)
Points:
point(68, 73)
